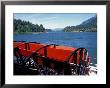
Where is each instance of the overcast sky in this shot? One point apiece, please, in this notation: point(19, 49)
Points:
point(54, 20)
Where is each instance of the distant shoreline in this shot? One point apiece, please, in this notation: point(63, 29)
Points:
point(28, 32)
point(50, 32)
point(81, 31)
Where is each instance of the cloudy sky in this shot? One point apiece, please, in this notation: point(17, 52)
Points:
point(54, 20)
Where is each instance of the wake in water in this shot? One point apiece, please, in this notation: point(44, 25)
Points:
point(93, 70)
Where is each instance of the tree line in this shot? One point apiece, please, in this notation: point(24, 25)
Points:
point(26, 26)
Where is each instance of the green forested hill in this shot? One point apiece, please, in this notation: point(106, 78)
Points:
point(89, 25)
point(26, 26)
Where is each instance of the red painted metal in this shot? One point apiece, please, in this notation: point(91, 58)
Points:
point(57, 53)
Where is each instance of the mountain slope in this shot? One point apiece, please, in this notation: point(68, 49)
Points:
point(89, 25)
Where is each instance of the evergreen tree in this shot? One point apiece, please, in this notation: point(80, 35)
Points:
point(26, 26)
